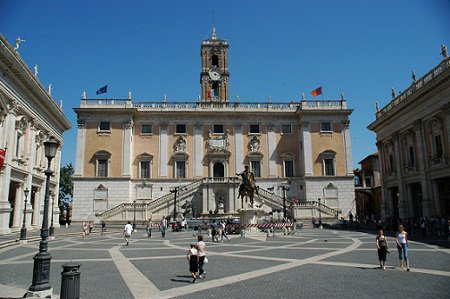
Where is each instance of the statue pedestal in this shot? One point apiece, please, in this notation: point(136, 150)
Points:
point(251, 216)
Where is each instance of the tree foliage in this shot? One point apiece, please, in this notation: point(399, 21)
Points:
point(66, 184)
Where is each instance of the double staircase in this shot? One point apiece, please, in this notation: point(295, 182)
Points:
point(141, 211)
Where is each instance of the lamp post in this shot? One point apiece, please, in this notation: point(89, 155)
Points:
point(285, 188)
point(41, 267)
point(320, 215)
point(174, 191)
point(52, 229)
point(134, 214)
point(23, 230)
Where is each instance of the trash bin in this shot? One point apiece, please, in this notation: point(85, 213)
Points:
point(70, 281)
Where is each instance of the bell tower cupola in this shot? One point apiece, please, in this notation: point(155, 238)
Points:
point(214, 76)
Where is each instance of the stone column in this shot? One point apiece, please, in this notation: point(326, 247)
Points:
point(385, 211)
point(7, 142)
point(198, 150)
point(347, 147)
point(422, 159)
point(163, 142)
point(81, 145)
point(127, 152)
point(272, 150)
point(307, 149)
point(36, 207)
point(18, 204)
point(403, 198)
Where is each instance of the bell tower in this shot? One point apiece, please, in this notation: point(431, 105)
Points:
point(214, 75)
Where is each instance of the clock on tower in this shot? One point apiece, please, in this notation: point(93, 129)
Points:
point(214, 75)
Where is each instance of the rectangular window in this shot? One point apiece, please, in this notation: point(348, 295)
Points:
point(18, 145)
point(181, 169)
point(288, 169)
point(325, 127)
point(104, 126)
point(329, 166)
point(412, 159)
point(102, 168)
point(181, 129)
point(438, 145)
point(145, 169)
point(218, 129)
point(256, 168)
point(286, 129)
point(146, 129)
point(391, 163)
point(254, 129)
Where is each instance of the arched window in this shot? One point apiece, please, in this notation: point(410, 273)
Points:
point(215, 61)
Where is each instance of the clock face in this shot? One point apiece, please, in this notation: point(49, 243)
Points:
point(214, 75)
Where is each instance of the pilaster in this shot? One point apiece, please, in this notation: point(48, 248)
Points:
point(127, 148)
point(81, 148)
point(307, 149)
point(272, 150)
point(198, 150)
point(163, 148)
point(347, 148)
point(238, 147)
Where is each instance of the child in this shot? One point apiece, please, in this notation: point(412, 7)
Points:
point(193, 261)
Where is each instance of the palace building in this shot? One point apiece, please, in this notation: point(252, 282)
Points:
point(413, 140)
point(28, 117)
point(140, 160)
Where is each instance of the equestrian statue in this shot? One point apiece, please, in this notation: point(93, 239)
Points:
point(248, 187)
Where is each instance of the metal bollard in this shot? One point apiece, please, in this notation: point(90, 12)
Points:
point(70, 282)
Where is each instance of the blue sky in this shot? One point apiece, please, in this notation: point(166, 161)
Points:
point(277, 48)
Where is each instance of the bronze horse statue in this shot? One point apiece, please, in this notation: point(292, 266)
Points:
point(248, 189)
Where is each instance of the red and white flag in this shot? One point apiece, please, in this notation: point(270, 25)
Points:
point(2, 157)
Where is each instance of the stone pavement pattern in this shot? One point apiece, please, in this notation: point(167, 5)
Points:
point(311, 264)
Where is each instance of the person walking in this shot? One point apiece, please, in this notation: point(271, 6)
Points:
point(201, 253)
point(149, 227)
point(402, 246)
point(224, 231)
point(103, 227)
point(192, 256)
point(128, 230)
point(382, 248)
point(163, 227)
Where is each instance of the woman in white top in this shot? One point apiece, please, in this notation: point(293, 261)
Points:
point(201, 252)
point(402, 246)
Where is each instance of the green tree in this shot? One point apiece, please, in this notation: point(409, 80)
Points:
point(65, 192)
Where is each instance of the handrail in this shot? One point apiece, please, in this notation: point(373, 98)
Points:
point(272, 198)
point(320, 207)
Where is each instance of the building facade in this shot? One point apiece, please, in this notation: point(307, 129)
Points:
point(28, 117)
point(413, 140)
point(137, 160)
point(368, 189)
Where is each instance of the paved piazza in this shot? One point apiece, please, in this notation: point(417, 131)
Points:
point(311, 264)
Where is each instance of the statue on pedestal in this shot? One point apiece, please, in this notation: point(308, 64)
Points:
point(248, 187)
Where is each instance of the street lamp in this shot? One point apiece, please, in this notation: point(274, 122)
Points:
point(174, 191)
point(41, 267)
point(52, 229)
point(23, 230)
point(285, 188)
point(134, 214)
point(320, 215)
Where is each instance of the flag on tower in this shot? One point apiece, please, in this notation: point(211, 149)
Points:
point(2, 157)
point(317, 91)
point(103, 89)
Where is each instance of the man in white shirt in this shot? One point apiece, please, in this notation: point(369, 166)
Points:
point(128, 230)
